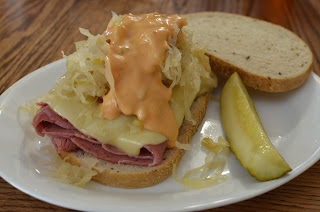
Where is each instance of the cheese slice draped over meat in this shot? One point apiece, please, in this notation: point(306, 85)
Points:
point(66, 138)
point(125, 132)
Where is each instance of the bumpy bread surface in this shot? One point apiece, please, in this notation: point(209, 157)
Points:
point(267, 57)
point(127, 176)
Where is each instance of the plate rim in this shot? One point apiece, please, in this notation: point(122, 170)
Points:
point(295, 172)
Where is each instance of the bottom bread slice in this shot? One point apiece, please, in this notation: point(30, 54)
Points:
point(129, 176)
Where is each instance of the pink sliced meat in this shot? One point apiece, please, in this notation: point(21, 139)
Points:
point(65, 137)
point(62, 144)
point(96, 150)
point(144, 152)
point(46, 115)
point(113, 149)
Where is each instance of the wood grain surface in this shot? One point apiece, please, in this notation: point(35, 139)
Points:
point(33, 33)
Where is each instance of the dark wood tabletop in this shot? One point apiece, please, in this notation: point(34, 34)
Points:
point(34, 32)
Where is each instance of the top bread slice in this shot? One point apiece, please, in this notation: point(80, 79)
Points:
point(268, 57)
point(128, 176)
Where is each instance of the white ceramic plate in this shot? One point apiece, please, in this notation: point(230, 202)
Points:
point(291, 120)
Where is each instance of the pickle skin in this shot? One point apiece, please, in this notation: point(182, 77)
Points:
point(245, 133)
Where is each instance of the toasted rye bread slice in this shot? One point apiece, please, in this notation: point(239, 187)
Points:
point(268, 57)
point(128, 176)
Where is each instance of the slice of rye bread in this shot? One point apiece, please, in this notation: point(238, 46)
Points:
point(268, 57)
point(128, 176)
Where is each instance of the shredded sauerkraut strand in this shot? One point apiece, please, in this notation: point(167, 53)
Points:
point(183, 146)
point(171, 69)
point(30, 107)
point(63, 171)
point(85, 77)
point(211, 172)
point(196, 77)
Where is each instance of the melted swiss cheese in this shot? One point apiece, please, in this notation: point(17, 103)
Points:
point(122, 132)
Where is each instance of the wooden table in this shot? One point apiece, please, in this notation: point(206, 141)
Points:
point(33, 33)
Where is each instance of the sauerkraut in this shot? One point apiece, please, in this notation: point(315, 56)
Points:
point(211, 172)
point(63, 171)
point(30, 107)
point(185, 65)
point(85, 79)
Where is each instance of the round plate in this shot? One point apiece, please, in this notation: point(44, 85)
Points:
point(290, 119)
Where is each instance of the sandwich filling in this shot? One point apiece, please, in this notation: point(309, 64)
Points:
point(126, 92)
point(65, 138)
point(137, 47)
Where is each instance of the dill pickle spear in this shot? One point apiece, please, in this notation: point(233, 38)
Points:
point(246, 135)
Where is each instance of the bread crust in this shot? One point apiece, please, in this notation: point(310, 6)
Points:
point(226, 69)
point(258, 81)
point(128, 176)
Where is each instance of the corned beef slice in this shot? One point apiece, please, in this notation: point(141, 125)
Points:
point(67, 138)
point(63, 144)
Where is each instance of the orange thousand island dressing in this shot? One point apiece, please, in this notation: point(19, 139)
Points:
point(137, 48)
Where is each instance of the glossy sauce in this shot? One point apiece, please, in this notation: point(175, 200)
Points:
point(137, 48)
